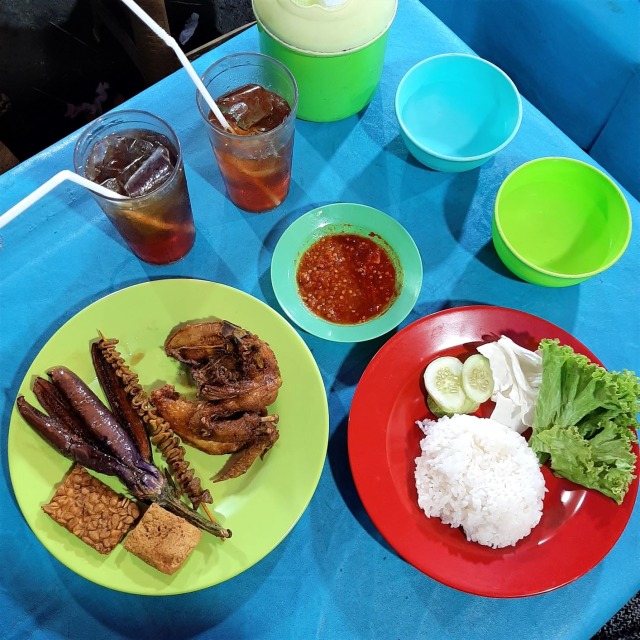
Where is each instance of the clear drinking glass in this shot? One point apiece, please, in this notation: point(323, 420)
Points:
point(256, 169)
point(139, 155)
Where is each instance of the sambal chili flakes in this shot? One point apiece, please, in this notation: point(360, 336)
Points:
point(346, 278)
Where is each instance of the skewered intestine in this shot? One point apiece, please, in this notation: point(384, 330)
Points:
point(160, 431)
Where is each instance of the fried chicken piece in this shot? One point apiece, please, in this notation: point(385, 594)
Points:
point(228, 364)
point(181, 414)
point(237, 375)
point(239, 463)
point(204, 426)
point(254, 401)
point(195, 342)
point(232, 427)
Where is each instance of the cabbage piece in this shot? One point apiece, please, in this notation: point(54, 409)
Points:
point(517, 374)
point(585, 420)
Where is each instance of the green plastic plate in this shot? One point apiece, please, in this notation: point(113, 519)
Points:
point(260, 507)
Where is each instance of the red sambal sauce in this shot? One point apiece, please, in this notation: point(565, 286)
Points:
point(347, 278)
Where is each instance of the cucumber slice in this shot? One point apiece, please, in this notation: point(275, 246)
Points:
point(443, 383)
point(477, 379)
point(435, 408)
point(469, 406)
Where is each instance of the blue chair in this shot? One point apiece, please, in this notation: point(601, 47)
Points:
point(578, 62)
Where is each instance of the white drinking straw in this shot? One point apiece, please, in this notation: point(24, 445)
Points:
point(161, 33)
point(53, 182)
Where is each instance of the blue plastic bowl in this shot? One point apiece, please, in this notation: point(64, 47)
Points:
point(456, 111)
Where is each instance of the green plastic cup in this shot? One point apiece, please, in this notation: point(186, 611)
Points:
point(559, 222)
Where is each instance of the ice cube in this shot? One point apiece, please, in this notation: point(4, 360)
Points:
point(96, 169)
point(125, 174)
point(246, 105)
point(107, 158)
point(114, 185)
point(116, 154)
point(151, 174)
point(137, 151)
point(139, 148)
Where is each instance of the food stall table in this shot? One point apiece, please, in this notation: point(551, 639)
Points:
point(333, 576)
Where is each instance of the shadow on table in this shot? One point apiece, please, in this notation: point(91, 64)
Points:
point(559, 305)
point(327, 138)
point(268, 246)
point(423, 309)
point(395, 182)
point(465, 224)
point(489, 258)
point(149, 618)
point(346, 379)
point(338, 457)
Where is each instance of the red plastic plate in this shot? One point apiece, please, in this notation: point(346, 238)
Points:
point(578, 526)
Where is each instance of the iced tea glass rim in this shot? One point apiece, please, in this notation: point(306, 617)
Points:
point(258, 56)
point(103, 122)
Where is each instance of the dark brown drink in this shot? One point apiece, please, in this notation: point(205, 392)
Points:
point(156, 219)
point(255, 160)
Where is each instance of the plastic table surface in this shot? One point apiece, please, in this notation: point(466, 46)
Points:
point(333, 576)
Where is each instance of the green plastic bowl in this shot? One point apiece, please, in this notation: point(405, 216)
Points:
point(559, 221)
point(346, 218)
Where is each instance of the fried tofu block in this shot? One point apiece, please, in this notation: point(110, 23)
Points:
point(162, 539)
point(91, 510)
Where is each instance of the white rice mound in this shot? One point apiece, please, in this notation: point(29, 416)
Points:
point(477, 474)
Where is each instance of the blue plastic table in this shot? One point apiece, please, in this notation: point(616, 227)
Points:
point(333, 576)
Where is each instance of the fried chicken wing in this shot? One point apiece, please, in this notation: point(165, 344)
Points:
point(238, 463)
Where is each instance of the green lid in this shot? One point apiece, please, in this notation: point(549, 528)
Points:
point(325, 26)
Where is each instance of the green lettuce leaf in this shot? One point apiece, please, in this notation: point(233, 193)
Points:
point(604, 462)
point(585, 420)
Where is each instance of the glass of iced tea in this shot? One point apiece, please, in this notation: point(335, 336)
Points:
point(138, 155)
point(258, 97)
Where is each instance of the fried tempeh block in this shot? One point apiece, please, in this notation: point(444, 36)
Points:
point(91, 510)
